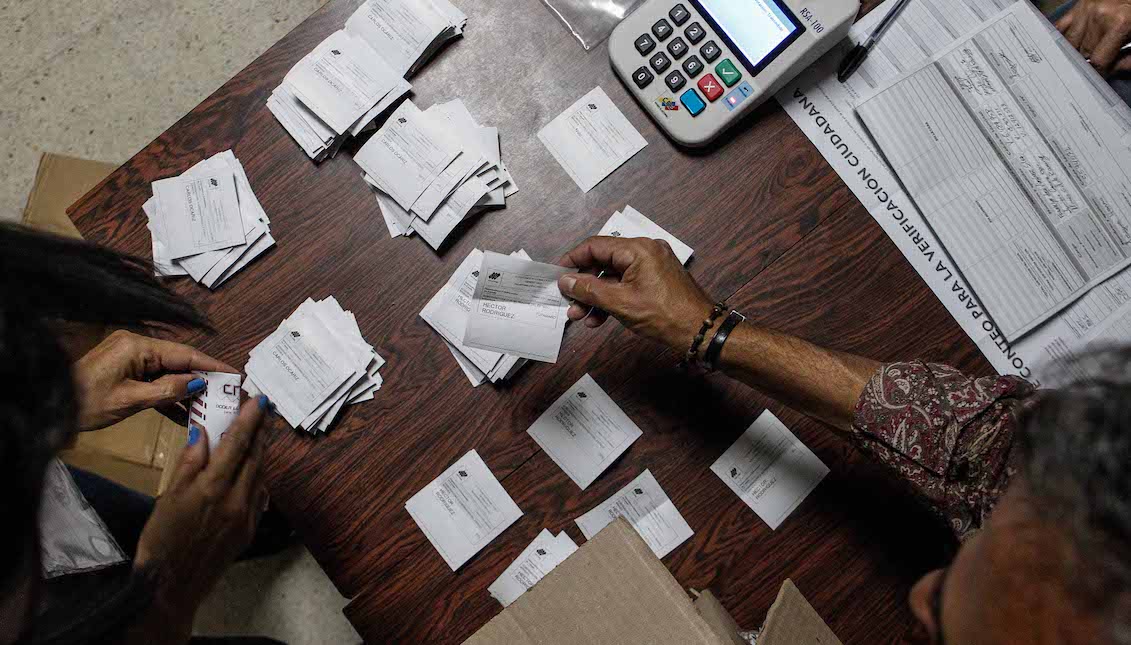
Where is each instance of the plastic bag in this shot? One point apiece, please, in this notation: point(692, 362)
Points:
point(591, 21)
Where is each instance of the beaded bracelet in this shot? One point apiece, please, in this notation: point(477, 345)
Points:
point(693, 353)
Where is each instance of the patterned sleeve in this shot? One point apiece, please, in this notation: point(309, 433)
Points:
point(950, 436)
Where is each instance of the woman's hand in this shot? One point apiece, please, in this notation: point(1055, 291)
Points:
point(128, 373)
point(644, 286)
point(1099, 29)
point(202, 523)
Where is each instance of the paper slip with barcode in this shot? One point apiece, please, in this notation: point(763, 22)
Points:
point(535, 561)
point(313, 365)
point(217, 406)
point(591, 139)
point(462, 510)
point(517, 308)
point(647, 508)
point(584, 431)
point(770, 469)
point(632, 223)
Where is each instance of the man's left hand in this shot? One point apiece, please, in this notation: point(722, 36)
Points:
point(1099, 29)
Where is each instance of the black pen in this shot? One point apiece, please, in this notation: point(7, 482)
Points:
point(855, 58)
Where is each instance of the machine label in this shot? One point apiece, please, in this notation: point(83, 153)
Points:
point(814, 23)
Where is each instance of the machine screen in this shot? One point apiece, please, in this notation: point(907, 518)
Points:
point(758, 29)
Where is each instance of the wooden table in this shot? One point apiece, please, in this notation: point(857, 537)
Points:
point(774, 229)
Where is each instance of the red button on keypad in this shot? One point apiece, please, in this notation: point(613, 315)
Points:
point(711, 87)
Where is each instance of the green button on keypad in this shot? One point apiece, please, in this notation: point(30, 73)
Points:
point(728, 73)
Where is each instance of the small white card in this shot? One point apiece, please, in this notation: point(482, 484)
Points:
point(517, 308)
point(462, 510)
point(535, 561)
point(632, 223)
point(406, 155)
point(584, 431)
point(770, 469)
point(591, 139)
point(214, 409)
point(647, 508)
point(198, 213)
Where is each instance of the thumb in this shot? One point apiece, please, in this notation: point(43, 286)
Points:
point(163, 391)
point(590, 290)
point(193, 458)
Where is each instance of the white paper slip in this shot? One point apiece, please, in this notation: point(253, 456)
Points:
point(404, 30)
point(770, 469)
point(591, 139)
point(198, 214)
point(535, 561)
point(517, 308)
point(647, 508)
point(632, 223)
point(217, 406)
point(406, 155)
point(462, 510)
point(584, 431)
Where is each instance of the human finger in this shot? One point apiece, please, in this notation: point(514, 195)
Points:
point(193, 458)
point(1065, 22)
point(592, 291)
point(163, 391)
point(1108, 49)
point(1077, 29)
point(167, 356)
point(248, 480)
point(596, 318)
point(236, 443)
point(602, 252)
point(1123, 65)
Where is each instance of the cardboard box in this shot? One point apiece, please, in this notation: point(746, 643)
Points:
point(614, 590)
point(134, 452)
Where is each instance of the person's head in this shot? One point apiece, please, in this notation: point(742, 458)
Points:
point(49, 280)
point(1053, 563)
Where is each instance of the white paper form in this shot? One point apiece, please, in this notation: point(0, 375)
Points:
point(647, 508)
point(198, 213)
point(1008, 158)
point(451, 213)
point(584, 431)
point(406, 155)
point(770, 469)
point(402, 30)
point(824, 109)
point(517, 308)
point(632, 223)
point(214, 409)
point(462, 510)
point(538, 559)
point(450, 308)
point(591, 139)
point(310, 132)
point(341, 80)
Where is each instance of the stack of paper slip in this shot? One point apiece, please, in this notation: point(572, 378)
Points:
point(313, 365)
point(540, 558)
point(207, 222)
point(358, 73)
point(433, 169)
point(631, 223)
point(448, 312)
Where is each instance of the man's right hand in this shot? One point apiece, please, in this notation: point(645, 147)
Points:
point(1098, 29)
point(644, 286)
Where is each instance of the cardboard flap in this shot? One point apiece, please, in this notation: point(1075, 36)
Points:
point(793, 621)
point(613, 590)
point(718, 617)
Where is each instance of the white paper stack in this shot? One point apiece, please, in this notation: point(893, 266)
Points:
point(207, 222)
point(433, 169)
point(313, 365)
point(358, 73)
point(448, 312)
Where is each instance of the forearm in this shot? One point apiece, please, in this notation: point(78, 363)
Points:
point(819, 382)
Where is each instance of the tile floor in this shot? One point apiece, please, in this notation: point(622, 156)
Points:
point(100, 79)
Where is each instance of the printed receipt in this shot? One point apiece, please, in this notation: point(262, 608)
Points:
point(463, 509)
point(198, 213)
point(517, 308)
point(214, 409)
point(540, 558)
point(584, 431)
point(591, 139)
point(647, 508)
point(770, 469)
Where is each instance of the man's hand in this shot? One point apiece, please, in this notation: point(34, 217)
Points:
point(644, 286)
point(127, 373)
point(1098, 29)
point(201, 524)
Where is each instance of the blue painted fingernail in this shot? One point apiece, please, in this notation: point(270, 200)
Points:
point(195, 385)
point(264, 403)
point(193, 435)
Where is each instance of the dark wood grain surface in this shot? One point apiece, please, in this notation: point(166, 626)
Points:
point(774, 230)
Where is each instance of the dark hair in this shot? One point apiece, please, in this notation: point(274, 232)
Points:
point(1076, 452)
point(47, 279)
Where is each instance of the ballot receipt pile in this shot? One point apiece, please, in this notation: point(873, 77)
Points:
point(433, 169)
point(207, 223)
point(313, 365)
point(338, 90)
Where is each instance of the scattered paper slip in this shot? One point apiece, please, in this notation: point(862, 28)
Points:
point(313, 365)
point(591, 139)
point(584, 431)
point(207, 223)
point(517, 308)
point(215, 408)
point(462, 510)
point(770, 469)
point(632, 223)
point(647, 508)
point(540, 558)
